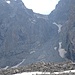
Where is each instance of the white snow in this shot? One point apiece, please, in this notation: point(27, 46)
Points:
point(32, 52)
point(19, 64)
point(61, 51)
point(32, 20)
point(55, 48)
point(59, 26)
point(68, 71)
point(48, 73)
point(41, 16)
point(6, 67)
point(8, 2)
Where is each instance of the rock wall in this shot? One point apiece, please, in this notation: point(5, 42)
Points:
point(32, 37)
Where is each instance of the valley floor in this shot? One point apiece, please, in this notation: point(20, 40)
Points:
point(42, 68)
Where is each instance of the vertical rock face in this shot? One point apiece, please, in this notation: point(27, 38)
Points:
point(70, 33)
point(27, 37)
point(64, 15)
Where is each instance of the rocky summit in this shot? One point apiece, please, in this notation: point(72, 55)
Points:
point(27, 37)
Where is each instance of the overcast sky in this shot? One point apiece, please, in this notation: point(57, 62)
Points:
point(41, 6)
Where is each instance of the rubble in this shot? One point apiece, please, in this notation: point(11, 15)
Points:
point(40, 67)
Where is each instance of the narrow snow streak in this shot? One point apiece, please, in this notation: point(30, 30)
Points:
point(18, 64)
point(32, 52)
point(58, 25)
point(34, 73)
point(6, 67)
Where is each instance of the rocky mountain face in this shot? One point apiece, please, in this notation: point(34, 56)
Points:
point(66, 18)
point(70, 33)
point(27, 37)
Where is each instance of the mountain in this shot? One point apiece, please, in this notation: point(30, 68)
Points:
point(27, 37)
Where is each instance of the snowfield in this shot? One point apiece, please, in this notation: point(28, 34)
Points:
point(56, 73)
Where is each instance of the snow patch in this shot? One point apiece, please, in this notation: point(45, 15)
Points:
point(61, 51)
point(6, 67)
point(32, 20)
point(48, 73)
point(59, 26)
point(8, 2)
point(18, 64)
point(55, 48)
point(32, 52)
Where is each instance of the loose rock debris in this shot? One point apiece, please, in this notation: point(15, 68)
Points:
point(41, 67)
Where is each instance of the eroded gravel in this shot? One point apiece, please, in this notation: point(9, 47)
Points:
point(41, 67)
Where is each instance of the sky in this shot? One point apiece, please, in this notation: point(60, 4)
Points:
point(41, 6)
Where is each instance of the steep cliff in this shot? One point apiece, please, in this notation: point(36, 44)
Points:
point(69, 34)
point(64, 17)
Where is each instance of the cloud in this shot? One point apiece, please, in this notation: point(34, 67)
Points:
point(41, 6)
